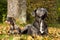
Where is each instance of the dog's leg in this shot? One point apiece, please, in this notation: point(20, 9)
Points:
point(17, 28)
point(24, 31)
point(46, 31)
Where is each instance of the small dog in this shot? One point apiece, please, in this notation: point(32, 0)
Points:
point(14, 29)
point(39, 26)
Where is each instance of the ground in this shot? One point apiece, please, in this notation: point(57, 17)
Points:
point(54, 34)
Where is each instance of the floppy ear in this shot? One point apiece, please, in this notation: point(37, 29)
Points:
point(46, 13)
point(14, 19)
point(46, 10)
point(33, 13)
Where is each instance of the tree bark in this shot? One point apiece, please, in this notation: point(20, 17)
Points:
point(17, 10)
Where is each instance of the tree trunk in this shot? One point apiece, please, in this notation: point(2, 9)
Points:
point(23, 7)
point(17, 9)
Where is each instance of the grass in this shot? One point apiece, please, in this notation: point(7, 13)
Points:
point(54, 34)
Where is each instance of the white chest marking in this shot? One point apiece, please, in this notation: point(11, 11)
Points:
point(41, 29)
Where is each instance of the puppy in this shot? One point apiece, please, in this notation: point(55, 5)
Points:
point(14, 29)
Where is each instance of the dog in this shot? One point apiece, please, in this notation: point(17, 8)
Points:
point(38, 27)
point(14, 29)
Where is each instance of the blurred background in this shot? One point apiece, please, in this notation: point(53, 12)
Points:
point(53, 7)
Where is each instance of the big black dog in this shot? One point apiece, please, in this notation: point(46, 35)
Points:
point(39, 26)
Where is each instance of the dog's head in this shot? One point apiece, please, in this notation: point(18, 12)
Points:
point(10, 20)
point(40, 12)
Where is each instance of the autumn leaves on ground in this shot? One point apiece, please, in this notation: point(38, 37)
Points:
point(54, 34)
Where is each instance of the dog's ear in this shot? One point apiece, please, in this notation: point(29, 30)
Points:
point(46, 13)
point(33, 13)
point(14, 19)
point(46, 10)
